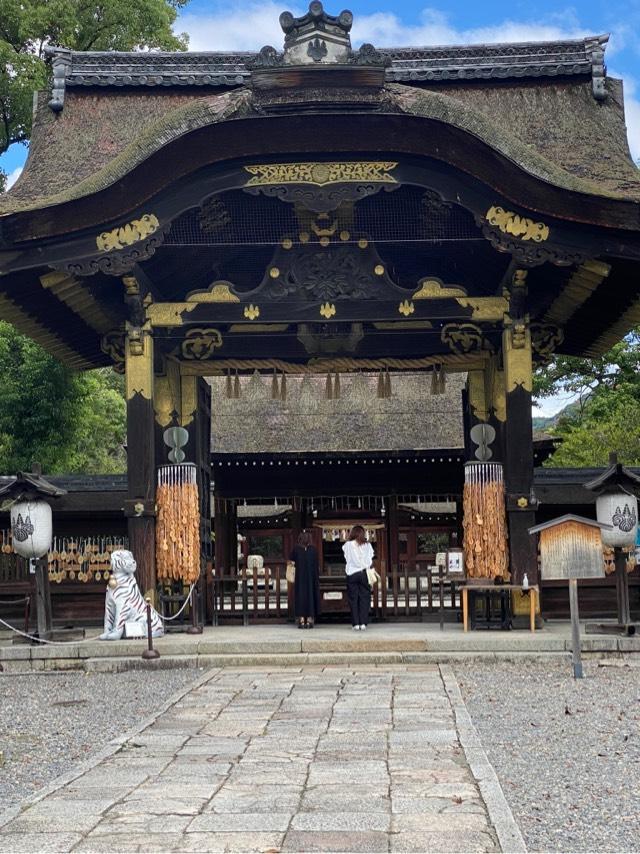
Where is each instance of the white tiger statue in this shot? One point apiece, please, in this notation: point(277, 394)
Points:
point(124, 602)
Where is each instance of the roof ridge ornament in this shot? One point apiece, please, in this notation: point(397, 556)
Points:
point(316, 36)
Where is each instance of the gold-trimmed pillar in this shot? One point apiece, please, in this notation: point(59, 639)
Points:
point(518, 448)
point(141, 471)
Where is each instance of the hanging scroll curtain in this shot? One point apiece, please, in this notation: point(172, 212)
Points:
point(178, 524)
point(484, 523)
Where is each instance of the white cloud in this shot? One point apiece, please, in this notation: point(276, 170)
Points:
point(12, 177)
point(251, 26)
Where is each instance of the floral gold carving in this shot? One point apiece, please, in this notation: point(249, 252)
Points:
point(168, 313)
point(128, 234)
point(545, 338)
point(218, 292)
point(199, 344)
point(320, 174)
point(512, 223)
point(435, 289)
point(485, 308)
point(406, 307)
point(516, 348)
point(327, 310)
point(462, 338)
point(251, 312)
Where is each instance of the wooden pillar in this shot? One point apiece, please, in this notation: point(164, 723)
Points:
point(394, 533)
point(221, 534)
point(141, 471)
point(518, 450)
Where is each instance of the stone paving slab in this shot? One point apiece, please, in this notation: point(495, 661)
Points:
point(239, 764)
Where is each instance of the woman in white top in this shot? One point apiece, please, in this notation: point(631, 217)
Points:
point(358, 554)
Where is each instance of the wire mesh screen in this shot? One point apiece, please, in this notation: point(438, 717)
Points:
point(401, 215)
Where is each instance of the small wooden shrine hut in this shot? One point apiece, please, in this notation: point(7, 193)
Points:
point(319, 211)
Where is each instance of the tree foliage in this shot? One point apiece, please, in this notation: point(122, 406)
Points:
point(606, 414)
point(28, 26)
point(68, 422)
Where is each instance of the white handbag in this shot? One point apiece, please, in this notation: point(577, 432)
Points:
point(372, 576)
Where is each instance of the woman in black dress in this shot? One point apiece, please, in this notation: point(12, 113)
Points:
point(307, 583)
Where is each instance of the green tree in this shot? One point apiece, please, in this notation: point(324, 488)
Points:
point(68, 422)
point(27, 26)
point(606, 414)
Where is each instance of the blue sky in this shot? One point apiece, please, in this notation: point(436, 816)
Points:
point(250, 25)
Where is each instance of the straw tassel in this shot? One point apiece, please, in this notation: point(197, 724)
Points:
point(380, 384)
point(328, 389)
point(387, 384)
point(236, 386)
point(283, 387)
point(336, 386)
point(228, 385)
point(178, 523)
point(275, 394)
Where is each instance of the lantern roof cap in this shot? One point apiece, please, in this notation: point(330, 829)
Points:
point(569, 517)
point(616, 478)
point(30, 485)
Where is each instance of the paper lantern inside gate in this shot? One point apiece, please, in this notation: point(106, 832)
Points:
point(570, 547)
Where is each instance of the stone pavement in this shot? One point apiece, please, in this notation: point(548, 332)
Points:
point(286, 759)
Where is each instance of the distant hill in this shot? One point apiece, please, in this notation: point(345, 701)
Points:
point(542, 424)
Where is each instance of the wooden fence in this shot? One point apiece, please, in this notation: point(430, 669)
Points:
point(408, 592)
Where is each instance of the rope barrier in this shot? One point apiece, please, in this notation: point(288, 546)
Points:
point(36, 639)
point(184, 605)
point(42, 640)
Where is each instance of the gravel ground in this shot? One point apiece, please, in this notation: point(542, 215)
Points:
point(567, 752)
point(48, 722)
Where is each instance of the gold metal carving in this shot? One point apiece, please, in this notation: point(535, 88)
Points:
point(131, 286)
point(518, 226)
point(462, 337)
point(188, 399)
point(485, 308)
point(168, 313)
point(217, 292)
point(112, 343)
point(166, 394)
point(403, 324)
point(406, 308)
point(258, 327)
point(126, 235)
point(545, 338)
point(251, 312)
point(516, 348)
point(320, 174)
point(435, 289)
point(199, 344)
point(379, 270)
point(138, 363)
point(476, 390)
point(327, 309)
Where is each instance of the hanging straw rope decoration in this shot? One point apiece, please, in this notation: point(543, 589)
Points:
point(484, 521)
point(178, 524)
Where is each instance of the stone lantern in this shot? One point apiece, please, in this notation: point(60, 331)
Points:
point(31, 532)
point(617, 507)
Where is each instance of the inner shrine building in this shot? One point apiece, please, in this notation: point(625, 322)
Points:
point(335, 223)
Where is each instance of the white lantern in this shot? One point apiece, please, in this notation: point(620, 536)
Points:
point(620, 510)
point(31, 528)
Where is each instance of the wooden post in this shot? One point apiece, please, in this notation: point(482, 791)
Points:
point(622, 588)
point(141, 472)
point(43, 598)
point(575, 628)
point(518, 451)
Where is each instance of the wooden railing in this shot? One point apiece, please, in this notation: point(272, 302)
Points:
point(411, 592)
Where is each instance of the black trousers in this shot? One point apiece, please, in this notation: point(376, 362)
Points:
point(359, 594)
